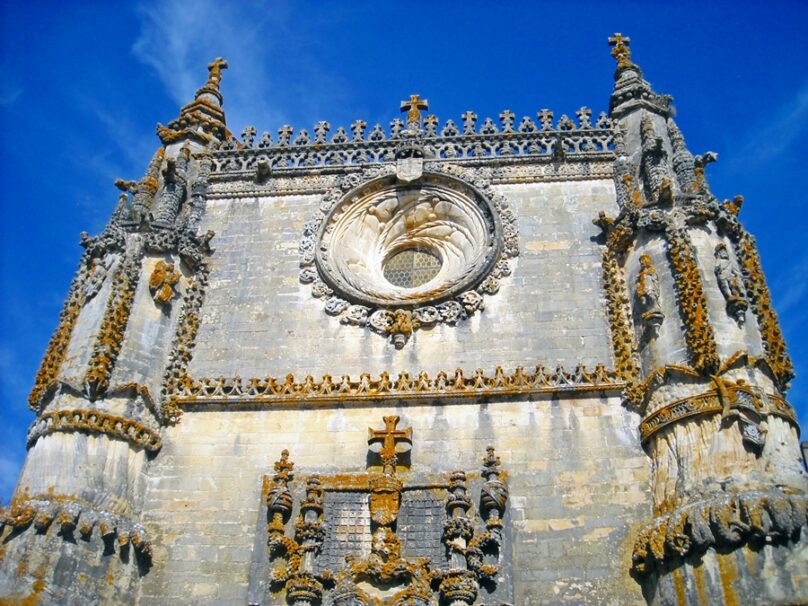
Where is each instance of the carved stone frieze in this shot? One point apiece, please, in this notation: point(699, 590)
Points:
point(186, 391)
point(66, 514)
point(351, 251)
point(94, 421)
point(725, 521)
point(735, 398)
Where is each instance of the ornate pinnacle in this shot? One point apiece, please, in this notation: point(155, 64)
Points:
point(283, 467)
point(620, 50)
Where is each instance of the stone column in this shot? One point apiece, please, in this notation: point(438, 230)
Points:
point(702, 353)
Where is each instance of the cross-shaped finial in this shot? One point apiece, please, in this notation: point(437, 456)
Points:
point(215, 71)
point(386, 439)
point(621, 51)
point(413, 108)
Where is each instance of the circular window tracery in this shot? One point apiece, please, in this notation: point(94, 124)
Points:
point(396, 257)
point(411, 267)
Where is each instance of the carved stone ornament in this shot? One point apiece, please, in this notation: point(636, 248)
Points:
point(647, 288)
point(162, 281)
point(397, 255)
point(730, 283)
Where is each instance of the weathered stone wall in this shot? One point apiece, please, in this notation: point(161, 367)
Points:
point(577, 477)
point(259, 320)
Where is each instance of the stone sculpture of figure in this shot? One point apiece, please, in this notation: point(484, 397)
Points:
point(730, 284)
point(647, 287)
point(96, 274)
point(162, 281)
point(655, 162)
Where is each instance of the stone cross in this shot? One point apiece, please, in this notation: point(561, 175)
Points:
point(546, 119)
point(358, 130)
point(389, 437)
point(413, 108)
point(431, 123)
point(469, 120)
point(621, 50)
point(215, 71)
point(284, 134)
point(506, 118)
point(248, 136)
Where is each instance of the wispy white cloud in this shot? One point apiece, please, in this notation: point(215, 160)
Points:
point(792, 288)
point(786, 125)
point(274, 77)
point(178, 41)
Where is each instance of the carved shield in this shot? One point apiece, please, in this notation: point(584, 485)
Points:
point(384, 506)
point(409, 169)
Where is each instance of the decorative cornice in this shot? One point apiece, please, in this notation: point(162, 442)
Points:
point(724, 521)
point(94, 421)
point(189, 392)
point(711, 402)
point(559, 143)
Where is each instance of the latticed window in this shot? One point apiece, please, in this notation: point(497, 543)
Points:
point(412, 267)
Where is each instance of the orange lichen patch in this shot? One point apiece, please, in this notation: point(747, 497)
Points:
point(679, 587)
point(761, 301)
point(728, 574)
point(701, 587)
point(347, 482)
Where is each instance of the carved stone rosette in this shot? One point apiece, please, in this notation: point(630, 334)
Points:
point(463, 230)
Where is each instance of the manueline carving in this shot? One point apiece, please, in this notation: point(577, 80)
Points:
point(94, 421)
point(730, 283)
point(113, 327)
point(162, 282)
point(760, 299)
point(692, 302)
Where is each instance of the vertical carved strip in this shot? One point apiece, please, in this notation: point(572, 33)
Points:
point(182, 350)
point(623, 345)
point(113, 326)
point(761, 300)
point(692, 302)
point(57, 348)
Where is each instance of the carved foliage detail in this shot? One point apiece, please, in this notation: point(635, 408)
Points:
point(94, 421)
point(729, 520)
point(760, 299)
point(113, 326)
point(692, 302)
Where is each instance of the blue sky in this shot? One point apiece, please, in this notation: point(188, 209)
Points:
point(84, 83)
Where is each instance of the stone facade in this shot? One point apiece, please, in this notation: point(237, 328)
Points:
point(578, 396)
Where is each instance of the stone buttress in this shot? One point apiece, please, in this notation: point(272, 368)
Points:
point(696, 338)
point(72, 531)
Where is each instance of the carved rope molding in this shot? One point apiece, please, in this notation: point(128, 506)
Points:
point(761, 301)
point(692, 302)
point(270, 390)
point(113, 326)
point(623, 343)
point(70, 513)
point(711, 403)
point(94, 421)
point(728, 520)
